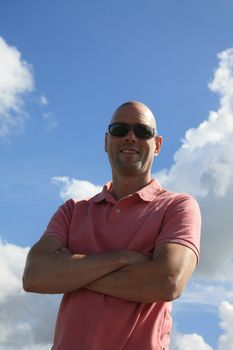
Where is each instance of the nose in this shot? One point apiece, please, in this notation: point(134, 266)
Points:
point(130, 136)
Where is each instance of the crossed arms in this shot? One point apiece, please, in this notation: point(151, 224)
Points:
point(51, 268)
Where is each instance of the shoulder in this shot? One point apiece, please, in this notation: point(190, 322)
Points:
point(175, 199)
point(74, 204)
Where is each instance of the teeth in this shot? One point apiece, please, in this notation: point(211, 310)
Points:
point(128, 151)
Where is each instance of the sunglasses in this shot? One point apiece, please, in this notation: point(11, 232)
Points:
point(142, 131)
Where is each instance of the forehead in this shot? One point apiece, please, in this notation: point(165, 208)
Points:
point(134, 115)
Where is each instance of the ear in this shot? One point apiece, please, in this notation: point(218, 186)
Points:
point(106, 142)
point(158, 144)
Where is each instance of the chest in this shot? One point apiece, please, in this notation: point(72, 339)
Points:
point(108, 227)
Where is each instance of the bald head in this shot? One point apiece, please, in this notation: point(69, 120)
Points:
point(134, 112)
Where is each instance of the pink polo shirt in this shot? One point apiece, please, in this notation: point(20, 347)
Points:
point(139, 222)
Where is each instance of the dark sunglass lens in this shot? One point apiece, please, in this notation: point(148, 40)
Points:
point(143, 132)
point(122, 129)
point(118, 129)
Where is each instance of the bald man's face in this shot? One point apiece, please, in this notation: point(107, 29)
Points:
point(130, 155)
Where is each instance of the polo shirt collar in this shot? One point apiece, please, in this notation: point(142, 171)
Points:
point(147, 193)
point(104, 195)
point(150, 191)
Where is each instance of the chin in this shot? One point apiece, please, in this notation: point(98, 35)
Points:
point(131, 171)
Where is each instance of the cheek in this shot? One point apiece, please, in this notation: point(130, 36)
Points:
point(149, 154)
point(149, 148)
point(111, 147)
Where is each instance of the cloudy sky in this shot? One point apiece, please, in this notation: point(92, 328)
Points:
point(64, 68)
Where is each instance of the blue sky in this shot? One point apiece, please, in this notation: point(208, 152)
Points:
point(64, 68)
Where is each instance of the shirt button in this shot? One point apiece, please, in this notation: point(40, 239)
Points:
point(118, 210)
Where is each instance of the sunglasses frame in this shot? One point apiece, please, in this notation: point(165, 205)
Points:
point(134, 127)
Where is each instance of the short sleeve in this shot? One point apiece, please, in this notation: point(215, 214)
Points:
point(182, 223)
point(60, 222)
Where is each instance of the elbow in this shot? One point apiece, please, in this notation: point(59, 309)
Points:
point(29, 283)
point(36, 283)
point(173, 289)
point(30, 286)
point(172, 294)
point(169, 290)
point(27, 287)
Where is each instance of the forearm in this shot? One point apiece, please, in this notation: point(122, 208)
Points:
point(63, 272)
point(143, 282)
point(161, 279)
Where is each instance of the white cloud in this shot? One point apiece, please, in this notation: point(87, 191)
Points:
point(226, 315)
point(189, 342)
point(204, 292)
point(203, 166)
point(16, 80)
point(195, 341)
point(11, 265)
point(50, 120)
point(43, 100)
point(49, 116)
point(22, 315)
point(72, 188)
point(27, 347)
point(204, 163)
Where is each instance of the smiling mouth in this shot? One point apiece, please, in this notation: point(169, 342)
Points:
point(129, 151)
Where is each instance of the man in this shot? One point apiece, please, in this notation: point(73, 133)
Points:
point(120, 257)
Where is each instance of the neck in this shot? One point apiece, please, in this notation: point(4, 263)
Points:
point(124, 186)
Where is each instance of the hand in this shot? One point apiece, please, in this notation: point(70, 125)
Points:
point(127, 257)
